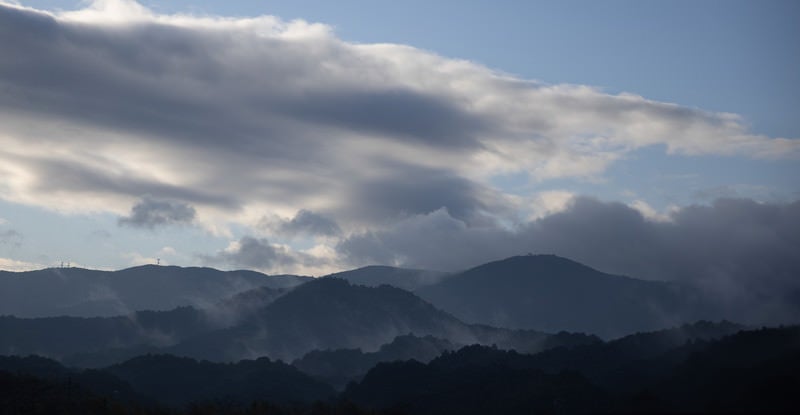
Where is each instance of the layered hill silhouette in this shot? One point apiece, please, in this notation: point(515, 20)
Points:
point(61, 337)
point(490, 339)
point(89, 293)
point(330, 313)
point(326, 313)
point(550, 293)
point(510, 303)
point(745, 372)
point(698, 368)
point(342, 366)
point(535, 292)
point(178, 381)
point(376, 275)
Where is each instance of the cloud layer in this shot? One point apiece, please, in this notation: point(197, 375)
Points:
point(241, 116)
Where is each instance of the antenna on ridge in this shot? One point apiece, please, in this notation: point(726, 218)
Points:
point(158, 261)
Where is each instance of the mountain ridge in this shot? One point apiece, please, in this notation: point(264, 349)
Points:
point(551, 293)
point(83, 292)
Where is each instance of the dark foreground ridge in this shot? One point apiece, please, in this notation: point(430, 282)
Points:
point(689, 369)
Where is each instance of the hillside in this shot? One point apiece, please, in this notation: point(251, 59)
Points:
point(90, 293)
point(745, 372)
point(330, 313)
point(376, 275)
point(550, 293)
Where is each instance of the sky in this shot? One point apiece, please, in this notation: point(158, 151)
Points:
point(652, 139)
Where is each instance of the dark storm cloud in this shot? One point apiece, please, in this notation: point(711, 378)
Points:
point(402, 114)
point(151, 213)
point(434, 241)
point(733, 239)
point(306, 222)
point(744, 252)
point(410, 192)
point(253, 253)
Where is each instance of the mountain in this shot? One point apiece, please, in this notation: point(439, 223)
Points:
point(550, 293)
point(177, 381)
point(90, 293)
point(376, 275)
point(59, 337)
point(327, 313)
point(754, 371)
point(330, 313)
point(341, 366)
point(696, 368)
point(475, 380)
point(746, 372)
point(634, 359)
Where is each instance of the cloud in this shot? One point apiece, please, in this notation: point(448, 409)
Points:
point(249, 252)
point(8, 264)
point(305, 222)
point(151, 213)
point(742, 251)
point(238, 116)
point(10, 237)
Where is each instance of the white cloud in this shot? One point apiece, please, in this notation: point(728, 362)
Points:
point(8, 264)
point(650, 213)
point(259, 253)
point(136, 258)
point(549, 202)
point(167, 250)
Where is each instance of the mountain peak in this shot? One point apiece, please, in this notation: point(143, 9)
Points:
point(539, 261)
point(376, 275)
point(552, 293)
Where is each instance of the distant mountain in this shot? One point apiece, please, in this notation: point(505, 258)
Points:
point(330, 313)
point(59, 337)
point(376, 275)
point(550, 293)
point(327, 313)
point(89, 293)
point(232, 310)
point(151, 330)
